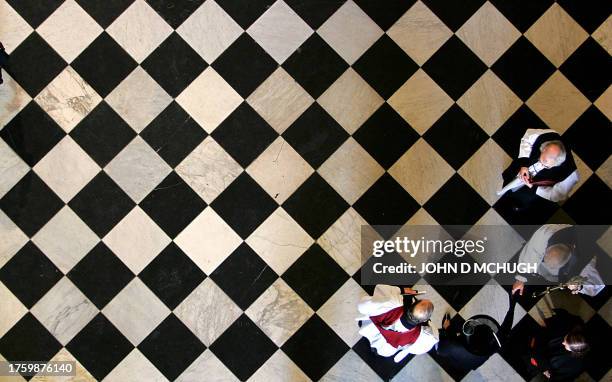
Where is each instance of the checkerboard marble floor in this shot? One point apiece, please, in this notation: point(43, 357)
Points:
point(182, 182)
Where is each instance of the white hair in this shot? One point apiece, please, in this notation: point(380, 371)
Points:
point(562, 153)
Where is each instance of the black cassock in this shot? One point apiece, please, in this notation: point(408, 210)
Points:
point(549, 352)
point(524, 206)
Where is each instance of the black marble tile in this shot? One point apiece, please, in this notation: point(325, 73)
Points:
point(100, 267)
point(244, 276)
point(386, 203)
point(244, 134)
point(102, 134)
point(245, 65)
point(29, 275)
point(101, 204)
point(104, 64)
point(315, 65)
point(315, 348)
point(315, 135)
point(174, 64)
point(315, 205)
point(315, 276)
point(172, 276)
point(32, 133)
point(173, 134)
point(243, 347)
point(244, 205)
point(172, 204)
point(30, 203)
point(99, 347)
point(385, 66)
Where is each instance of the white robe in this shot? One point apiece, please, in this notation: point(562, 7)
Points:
point(555, 193)
point(385, 298)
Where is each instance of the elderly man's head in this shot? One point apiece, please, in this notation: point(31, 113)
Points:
point(557, 256)
point(552, 153)
point(421, 311)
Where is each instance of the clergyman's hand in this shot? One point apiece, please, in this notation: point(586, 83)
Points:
point(518, 286)
point(524, 176)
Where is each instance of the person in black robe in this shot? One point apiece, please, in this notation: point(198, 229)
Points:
point(461, 353)
point(543, 175)
point(558, 351)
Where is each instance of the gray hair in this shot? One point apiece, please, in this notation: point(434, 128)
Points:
point(562, 153)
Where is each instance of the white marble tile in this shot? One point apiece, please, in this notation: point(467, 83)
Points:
point(13, 29)
point(136, 311)
point(207, 311)
point(342, 241)
point(279, 312)
point(139, 30)
point(69, 30)
point(489, 102)
point(422, 366)
point(280, 31)
point(422, 217)
point(421, 171)
point(81, 374)
point(350, 100)
point(138, 99)
point(65, 239)
point(280, 100)
point(279, 240)
point(420, 101)
point(492, 300)
point(556, 34)
point(66, 169)
point(135, 367)
point(208, 169)
point(488, 33)
point(12, 309)
point(209, 31)
point(12, 168)
point(12, 97)
point(573, 303)
point(137, 169)
point(209, 99)
point(350, 31)
point(494, 369)
point(419, 32)
point(64, 310)
point(350, 170)
point(558, 102)
point(207, 364)
point(604, 102)
point(350, 368)
point(68, 99)
point(208, 240)
point(279, 170)
point(502, 242)
point(136, 240)
point(279, 367)
point(11, 239)
point(483, 170)
point(340, 311)
point(491, 217)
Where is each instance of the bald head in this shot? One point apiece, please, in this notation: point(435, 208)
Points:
point(557, 255)
point(552, 153)
point(422, 310)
